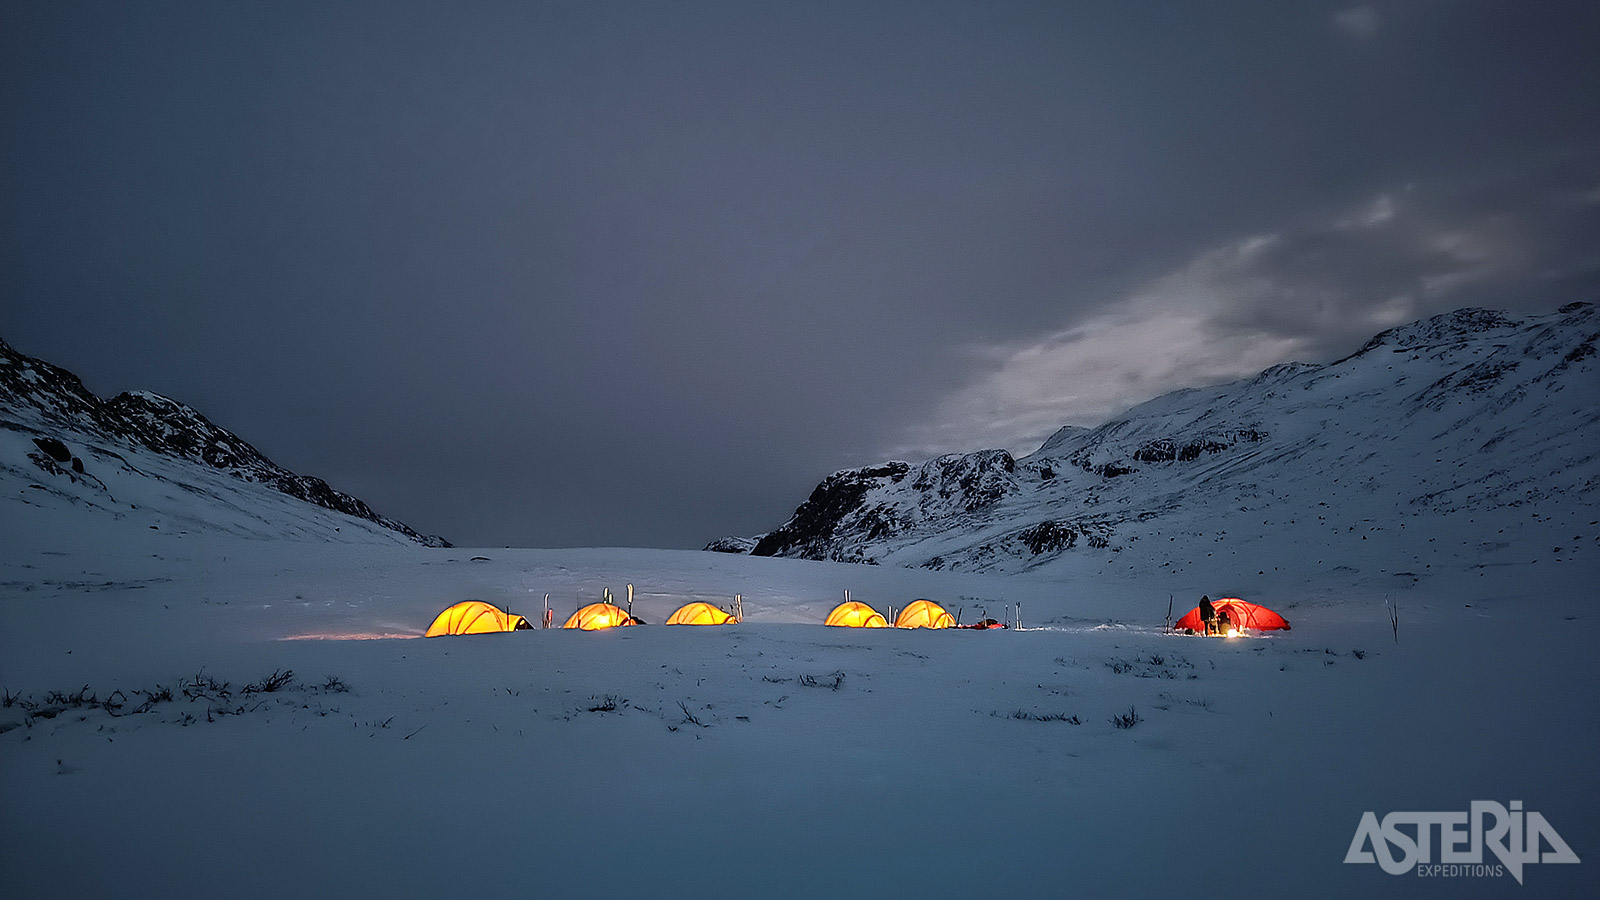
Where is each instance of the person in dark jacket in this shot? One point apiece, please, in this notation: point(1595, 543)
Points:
point(1208, 616)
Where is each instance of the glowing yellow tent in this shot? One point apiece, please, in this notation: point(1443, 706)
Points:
point(598, 615)
point(852, 614)
point(924, 614)
point(475, 617)
point(701, 613)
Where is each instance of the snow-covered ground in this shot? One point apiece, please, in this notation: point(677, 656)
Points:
point(935, 764)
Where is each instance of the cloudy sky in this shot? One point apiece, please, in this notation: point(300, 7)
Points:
point(606, 273)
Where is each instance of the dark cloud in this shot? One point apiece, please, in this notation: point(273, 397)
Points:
point(562, 274)
point(1525, 242)
point(1310, 291)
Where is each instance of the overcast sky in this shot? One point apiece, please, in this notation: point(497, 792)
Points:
point(602, 273)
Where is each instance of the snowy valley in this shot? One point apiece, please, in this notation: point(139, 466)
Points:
point(215, 687)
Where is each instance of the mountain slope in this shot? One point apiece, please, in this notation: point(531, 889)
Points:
point(1472, 424)
point(61, 445)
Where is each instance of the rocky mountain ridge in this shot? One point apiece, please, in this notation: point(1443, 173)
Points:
point(51, 406)
point(1469, 414)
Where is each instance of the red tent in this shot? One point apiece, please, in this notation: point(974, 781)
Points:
point(1244, 615)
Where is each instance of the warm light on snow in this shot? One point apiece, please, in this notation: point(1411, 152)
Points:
point(798, 723)
point(350, 636)
point(145, 664)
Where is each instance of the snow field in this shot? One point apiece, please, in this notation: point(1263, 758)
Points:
point(490, 766)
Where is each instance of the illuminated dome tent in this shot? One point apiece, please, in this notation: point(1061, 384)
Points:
point(475, 617)
point(598, 615)
point(1244, 616)
point(851, 614)
point(924, 614)
point(701, 613)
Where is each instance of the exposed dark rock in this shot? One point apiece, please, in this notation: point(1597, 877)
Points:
point(975, 480)
point(733, 544)
point(1048, 537)
point(1481, 377)
point(1106, 470)
point(50, 390)
point(47, 463)
point(57, 450)
point(1054, 536)
point(74, 473)
point(1156, 451)
point(842, 512)
point(836, 497)
point(1186, 451)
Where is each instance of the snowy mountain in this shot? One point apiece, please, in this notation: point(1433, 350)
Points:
point(1422, 512)
point(1472, 419)
point(148, 457)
